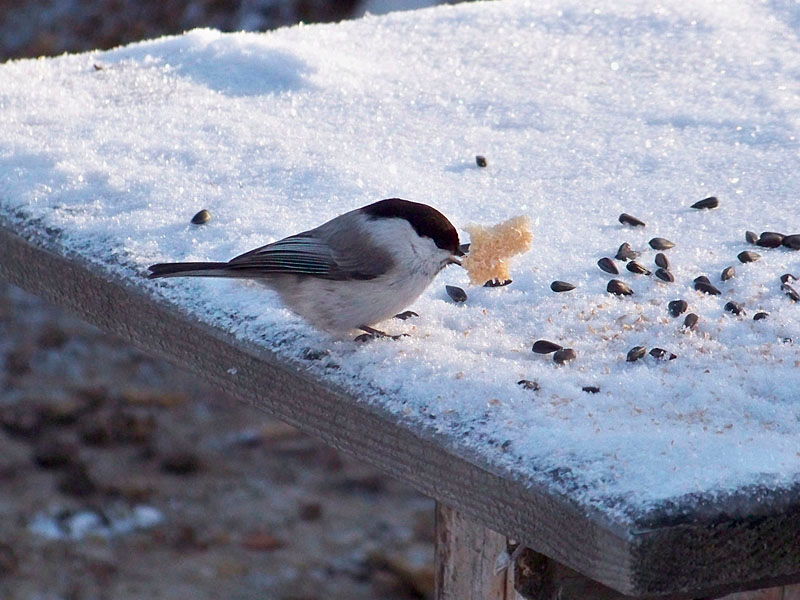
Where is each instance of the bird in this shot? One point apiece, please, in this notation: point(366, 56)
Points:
point(350, 273)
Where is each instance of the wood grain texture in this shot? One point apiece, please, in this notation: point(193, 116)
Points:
point(712, 548)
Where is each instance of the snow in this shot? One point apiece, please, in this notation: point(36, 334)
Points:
point(584, 111)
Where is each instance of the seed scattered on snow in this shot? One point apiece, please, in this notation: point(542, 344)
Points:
point(748, 256)
point(636, 353)
point(564, 355)
point(625, 252)
point(527, 384)
point(791, 292)
point(620, 288)
point(665, 275)
point(678, 307)
point(607, 265)
point(662, 261)
point(201, 217)
point(690, 322)
point(706, 288)
point(770, 239)
point(707, 203)
point(728, 273)
point(658, 243)
point(661, 354)
point(591, 389)
point(638, 268)
point(406, 315)
point(788, 278)
point(480, 161)
point(792, 241)
point(734, 308)
point(702, 278)
point(497, 283)
point(759, 316)
point(456, 293)
point(561, 286)
point(751, 237)
point(545, 347)
point(627, 219)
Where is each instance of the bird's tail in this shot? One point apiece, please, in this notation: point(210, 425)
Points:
point(191, 269)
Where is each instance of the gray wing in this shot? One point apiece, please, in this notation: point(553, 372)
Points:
point(325, 252)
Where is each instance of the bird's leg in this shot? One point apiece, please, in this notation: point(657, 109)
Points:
point(372, 333)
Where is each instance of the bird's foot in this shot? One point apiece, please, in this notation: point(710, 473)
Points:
point(406, 315)
point(372, 333)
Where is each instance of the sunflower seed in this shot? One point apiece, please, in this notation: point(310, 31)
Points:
point(480, 161)
point(658, 243)
point(497, 283)
point(661, 354)
point(620, 288)
point(706, 288)
point(665, 275)
point(564, 355)
point(770, 239)
point(759, 316)
point(748, 256)
point(662, 261)
point(751, 237)
point(702, 278)
point(791, 292)
point(527, 384)
point(735, 308)
point(677, 307)
point(690, 322)
point(792, 241)
point(728, 273)
point(638, 268)
point(545, 347)
point(201, 217)
point(636, 353)
point(710, 202)
point(591, 389)
point(625, 252)
point(788, 277)
point(456, 293)
point(627, 219)
point(561, 286)
point(607, 265)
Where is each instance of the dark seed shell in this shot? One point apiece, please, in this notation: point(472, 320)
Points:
point(759, 316)
point(528, 384)
point(625, 252)
point(706, 288)
point(607, 265)
point(728, 273)
point(638, 268)
point(636, 353)
point(456, 293)
point(665, 275)
point(406, 315)
point(201, 217)
point(591, 389)
point(564, 355)
point(702, 278)
point(658, 243)
point(661, 354)
point(627, 219)
point(792, 241)
point(748, 256)
point(791, 292)
point(480, 161)
point(620, 288)
point(788, 277)
point(751, 237)
point(710, 202)
point(561, 286)
point(545, 347)
point(690, 322)
point(770, 239)
point(677, 307)
point(497, 283)
point(735, 308)
point(662, 261)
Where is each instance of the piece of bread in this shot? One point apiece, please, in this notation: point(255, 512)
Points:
point(491, 248)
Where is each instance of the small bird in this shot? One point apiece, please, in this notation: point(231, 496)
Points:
point(352, 272)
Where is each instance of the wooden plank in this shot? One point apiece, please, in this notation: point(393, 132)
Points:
point(466, 559)
point(700, 548)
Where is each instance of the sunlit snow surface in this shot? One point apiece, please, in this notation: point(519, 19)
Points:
point(583, 110)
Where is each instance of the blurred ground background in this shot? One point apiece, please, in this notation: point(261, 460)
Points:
point(123, 477)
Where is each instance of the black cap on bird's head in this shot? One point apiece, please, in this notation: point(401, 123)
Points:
point(426, 221)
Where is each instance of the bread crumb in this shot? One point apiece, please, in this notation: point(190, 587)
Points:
point(491, 247)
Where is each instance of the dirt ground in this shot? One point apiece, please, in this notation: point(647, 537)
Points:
point(123, 477)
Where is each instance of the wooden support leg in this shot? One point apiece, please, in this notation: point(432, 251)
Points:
point(466, 558)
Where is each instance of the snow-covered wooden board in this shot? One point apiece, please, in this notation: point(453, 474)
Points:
point(676, 475)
